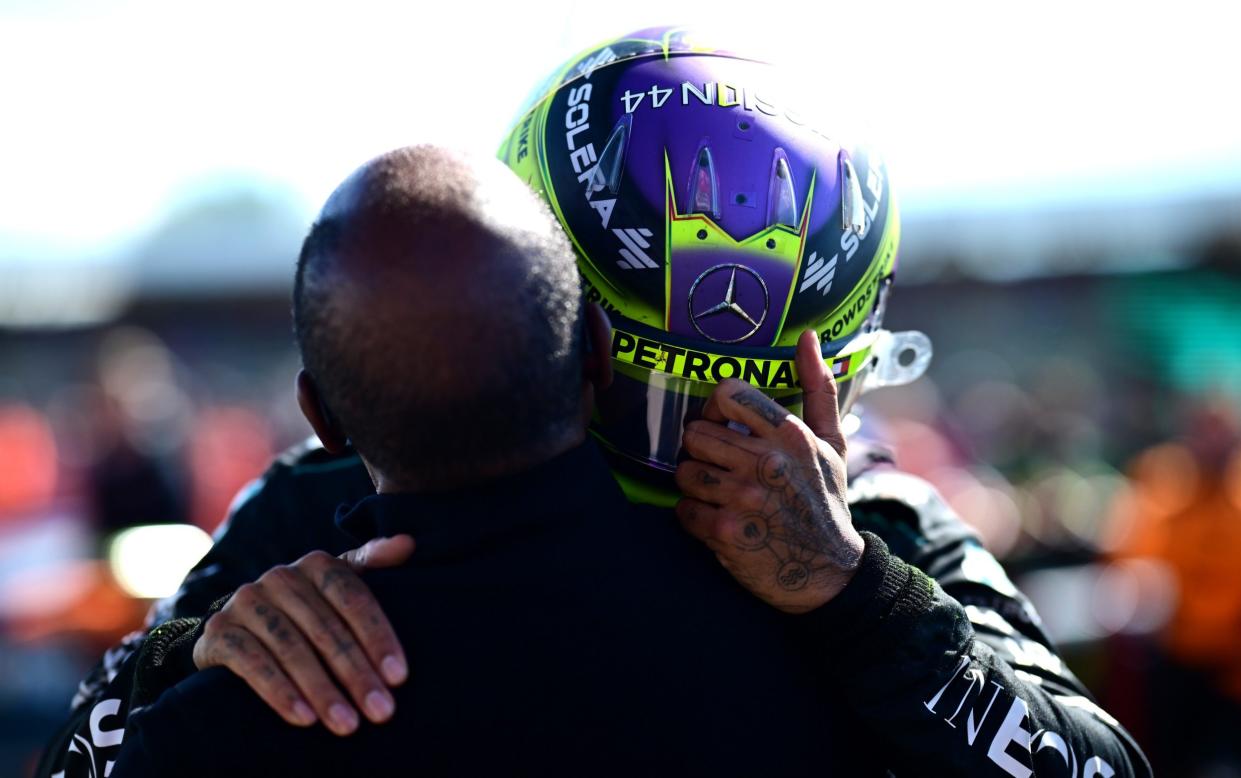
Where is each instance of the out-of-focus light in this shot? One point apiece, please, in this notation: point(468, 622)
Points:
point(917, 402)
point(1088, 602)
point(1232, 480)
point(986, 501)
point(920, 448)
point(150, 562)
point(28, 448)
point(1076, 505)
point(850, 424)
point(228, 445)
point(32, 296)
point(139, 373)
point(1135, 596)
point(1165, 478)
point(1063, 597)
point(49, 589)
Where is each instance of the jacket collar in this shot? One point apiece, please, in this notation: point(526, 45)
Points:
point(568, 487)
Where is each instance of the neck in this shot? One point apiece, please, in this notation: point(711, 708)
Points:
point(477, 472)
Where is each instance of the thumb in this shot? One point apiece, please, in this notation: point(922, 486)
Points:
point(820, 410)
point(380, 552)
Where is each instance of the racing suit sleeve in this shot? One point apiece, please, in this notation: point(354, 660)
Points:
point(252, 539)
point(945, 661)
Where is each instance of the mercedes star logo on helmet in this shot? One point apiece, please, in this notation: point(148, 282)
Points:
point(739, 311)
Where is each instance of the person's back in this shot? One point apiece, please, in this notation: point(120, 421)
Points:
point(556, 629)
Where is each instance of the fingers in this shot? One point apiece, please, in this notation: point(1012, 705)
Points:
point(337, 610)
point(821, 409)
point(771, 505)
point(699, 519)
point(716, 444)
point(317, 617)
point(737, 401)
point(380, 552)
point(723, 533)
point(285, 640)
point(707, 483)
point(225, 644)
point(369, 622)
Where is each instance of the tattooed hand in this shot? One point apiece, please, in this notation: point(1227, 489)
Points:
point(284, 634)
point(771, 504)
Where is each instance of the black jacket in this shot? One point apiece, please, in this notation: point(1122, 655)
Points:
point(953, 677)
point(553, 628)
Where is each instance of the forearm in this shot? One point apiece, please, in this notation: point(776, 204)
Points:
point(949, 701)
point(135, 672)
point(91, 739)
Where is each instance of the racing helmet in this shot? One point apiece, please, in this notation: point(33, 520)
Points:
point(715, 223)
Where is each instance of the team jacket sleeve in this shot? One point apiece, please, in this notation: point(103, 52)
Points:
point(945, 662)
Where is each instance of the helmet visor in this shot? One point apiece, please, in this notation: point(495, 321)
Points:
point(661, 383)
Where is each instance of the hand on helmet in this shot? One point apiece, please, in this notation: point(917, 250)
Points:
point(299, 626)
point(772, 504)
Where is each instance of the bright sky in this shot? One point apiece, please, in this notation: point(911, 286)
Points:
point(110, 110)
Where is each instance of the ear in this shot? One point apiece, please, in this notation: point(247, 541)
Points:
point(316, 412)
point(597, 366)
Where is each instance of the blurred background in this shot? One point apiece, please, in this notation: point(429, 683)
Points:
point(1070, 177)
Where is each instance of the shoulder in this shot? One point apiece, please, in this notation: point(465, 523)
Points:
point(653, 553)
point(304, 485)
point(906, 511)
point(211, 724)
point(287, 512)
point(920, 527)
point(306, 451)
point(168, 737)
point(310, 461)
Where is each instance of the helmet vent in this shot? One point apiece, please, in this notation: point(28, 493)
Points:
point(611, 165)
point(704, 190)
point(852, 207)
point(781, 198)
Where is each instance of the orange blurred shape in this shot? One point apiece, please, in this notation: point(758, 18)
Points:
point(230, 447)
point(1166, 478)
point(78, 598)
point(1232, 480)
point(27, 461)
point(1188, 517)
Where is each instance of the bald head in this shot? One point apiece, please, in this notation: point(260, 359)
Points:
point(437, 310)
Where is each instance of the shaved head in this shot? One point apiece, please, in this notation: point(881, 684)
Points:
point(438, 313)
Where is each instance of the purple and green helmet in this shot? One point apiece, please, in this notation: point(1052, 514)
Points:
point(714, 223)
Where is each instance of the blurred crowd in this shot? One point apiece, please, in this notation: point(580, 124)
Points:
point(104, 434)
point(1091, 451)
